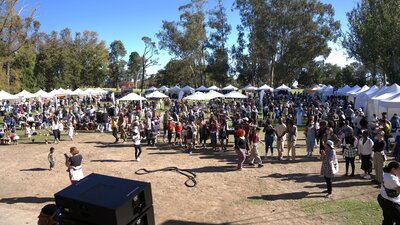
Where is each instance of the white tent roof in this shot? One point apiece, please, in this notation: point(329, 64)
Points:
point(152, 88)
point(283, 87)
point(78, 92)
point(100, 91)
point(249, 87)
point(201, 88)
point(187, 89)
point(343, 90)
point(163, 88)
point(389, 92)
point(174, 89)
point(265, 88)
point(230, 88)
point(89, 91)
point(213, 94)
point(215, 88)
point(351, 90)
point(43, 94)
point(235, 94)
point(156, 94)
point(364, 89)
point(197, 96)
point(25, 94)
point(393, 102)
point(7, 96)
point(132, 97)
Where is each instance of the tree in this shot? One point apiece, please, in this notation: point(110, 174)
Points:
point(175, 72)
point(14, 35)
point(373, 38)
point(148, 57)
point(284, 36)
point(116, 63)
point(134, 67)
point(186, 40)
point(218, 64)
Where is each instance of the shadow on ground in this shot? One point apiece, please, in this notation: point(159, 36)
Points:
point(289, 196)
point(34, 169)
point(26, 200)
point(181, 222)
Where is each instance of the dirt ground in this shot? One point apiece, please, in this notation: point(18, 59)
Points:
point(269, 195)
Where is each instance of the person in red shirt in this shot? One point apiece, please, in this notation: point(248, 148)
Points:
point(178, 133)
point(170, 129)
point(254, 139)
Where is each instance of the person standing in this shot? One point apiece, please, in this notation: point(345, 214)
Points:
point(52, 158)
point(396, 146)
point(269, 138)
point(291, 140)
point(114, 127)
point(379, 157)
point(136, 143)
point(328, 156)
point(311, 134)
point(241, 148)
point(55, 126)
point(365, 146)
point(389, 196)
point(349, 145)
point(254, 154)
point(280, 130)
point(74, 165)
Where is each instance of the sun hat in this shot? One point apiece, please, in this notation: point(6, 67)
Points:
point(330, 144)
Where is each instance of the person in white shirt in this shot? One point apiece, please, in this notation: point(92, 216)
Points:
point(389, 197)
point(365, 145)
point(280, 130)
point(136, 143)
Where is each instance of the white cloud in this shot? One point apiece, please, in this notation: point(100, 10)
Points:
point(338, 56)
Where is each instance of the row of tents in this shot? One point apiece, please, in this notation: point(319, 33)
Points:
point(372, 100)
point(187, 89)
point(55, 93)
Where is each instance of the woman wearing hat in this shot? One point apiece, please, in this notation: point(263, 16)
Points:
point(328, 156)
point(241, 148)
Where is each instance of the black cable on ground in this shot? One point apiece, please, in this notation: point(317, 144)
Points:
point(190, 182)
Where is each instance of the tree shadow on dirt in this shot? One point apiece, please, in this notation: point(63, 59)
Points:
point(35, 169)
point(181, 222)
point(213, 169)
point(289, 196)
point(110, 160)
point(26, 200)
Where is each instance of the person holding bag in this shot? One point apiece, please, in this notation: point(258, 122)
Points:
point(389, 197)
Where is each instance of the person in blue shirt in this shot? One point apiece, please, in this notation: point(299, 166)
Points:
point(396, 146)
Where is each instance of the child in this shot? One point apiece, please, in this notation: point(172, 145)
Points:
point(189, 139)
point(14, 137)
point(178, 133)
point(254, 138)
point(52, 158)
point(71, 130)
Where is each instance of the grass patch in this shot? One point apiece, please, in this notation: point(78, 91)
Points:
point(349, 211)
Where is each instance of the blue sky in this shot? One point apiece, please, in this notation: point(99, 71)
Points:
point(130, 20)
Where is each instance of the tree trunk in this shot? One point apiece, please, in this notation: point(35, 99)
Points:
point(272, 72)
point(8, 71)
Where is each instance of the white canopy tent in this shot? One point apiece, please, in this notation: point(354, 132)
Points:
point(353, 94)
point(214, 88)
point(373, 103)
point(343, 90)
point(156, 94)
point(152, 88)
point(197, 96)
point(78, 92)
point(163, 88)
point(174, 90)
point(351, 90)
point(187, 89)
point(25, 94)
point(249, 87)
point(100, 91)
point(7, 96)
point(42, 94)
point(235, 95)
point(265, 88)
point(214, 94)
point(326, 90)
point(391, 106)
point(132, 97)
point(230, 88)
point(362, 98)
point(202, 88)
point(283, 87)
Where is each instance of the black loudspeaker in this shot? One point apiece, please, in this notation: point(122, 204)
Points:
point(104, 200)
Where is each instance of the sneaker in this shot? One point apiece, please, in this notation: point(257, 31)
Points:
point(138, 159)
point(367, 176)
point(260, 165)
point(363, 175)
point(251, 164)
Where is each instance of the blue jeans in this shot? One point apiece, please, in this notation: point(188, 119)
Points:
point(387, 141)
point(269, 143)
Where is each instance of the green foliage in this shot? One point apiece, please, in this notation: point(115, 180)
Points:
point(116, 63)
point(373, 38)
point(347, 211)
point(134, 67)
point(283, 38)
